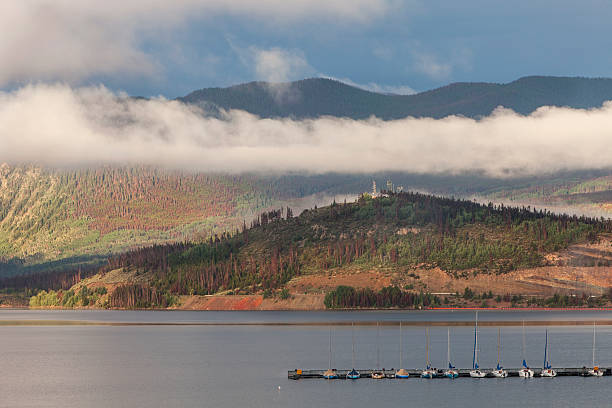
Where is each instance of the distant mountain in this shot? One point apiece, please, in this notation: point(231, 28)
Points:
point(315, 97)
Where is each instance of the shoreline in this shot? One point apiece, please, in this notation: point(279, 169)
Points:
point(289, 309)
point(410, 323)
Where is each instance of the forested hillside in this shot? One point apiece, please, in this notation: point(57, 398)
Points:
point(591, 195)
point(81, 216)
point(402, 232)
point(311, 98)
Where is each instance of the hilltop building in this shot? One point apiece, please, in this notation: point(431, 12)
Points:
point(390, 188)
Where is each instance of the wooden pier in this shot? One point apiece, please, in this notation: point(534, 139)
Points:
point(416, 373)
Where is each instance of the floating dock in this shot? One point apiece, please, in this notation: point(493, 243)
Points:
point(416, 373)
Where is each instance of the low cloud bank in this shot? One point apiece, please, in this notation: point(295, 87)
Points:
point(57, 125)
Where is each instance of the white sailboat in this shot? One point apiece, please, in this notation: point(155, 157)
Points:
point(402, 372)
point(547, 371)
point(353, 374)
point(378, 374)
point(499, 371)
point(476, 372)
point(525, 372)
point(429, 372)
point(450, 372)
point(330, 374)
point(596, 371)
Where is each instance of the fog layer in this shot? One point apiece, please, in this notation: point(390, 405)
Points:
point(58, 125)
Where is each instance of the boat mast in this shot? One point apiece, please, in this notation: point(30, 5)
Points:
point(498, 345)
point(475, 355)
point(427, 345)
point(523, 348)
point(401, 360)
point(353, 338)
point(377, 346)
point(448, 346)
point(593, 344)
point(330, 346)
point(546, 350)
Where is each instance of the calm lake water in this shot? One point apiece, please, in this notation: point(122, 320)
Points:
point(244, 366)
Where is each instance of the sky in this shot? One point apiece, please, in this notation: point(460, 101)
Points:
point(158, 47)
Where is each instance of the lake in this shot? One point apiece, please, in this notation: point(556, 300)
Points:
point(232, 365)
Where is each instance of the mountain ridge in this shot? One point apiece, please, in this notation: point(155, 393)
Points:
point(315, 97)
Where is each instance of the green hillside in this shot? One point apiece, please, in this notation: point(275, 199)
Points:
point(51, 219)
point(59, 219)
point(311, 98)
point(401, 232)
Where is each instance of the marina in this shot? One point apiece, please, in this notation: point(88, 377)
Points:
point(451, 372)
point(414, 373)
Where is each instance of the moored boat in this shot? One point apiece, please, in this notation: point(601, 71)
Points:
point(402, 372)
point(596, 371)
point(378, 374)
point(547, 370)
point(525, 372)
point(429, 372)
point(330, 374)
point(353, 374)
point(450, 372)
point(499, 371)
point(476, 372)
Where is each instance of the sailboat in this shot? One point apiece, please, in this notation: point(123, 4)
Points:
point(499, 371)
point(596, 371)
point(525, 372)
point(378, 374)
point(547, 371)
point(353, 374)
point(330, 374)
point(450, 372)
point(429, 372)
point(402, 372)
point(476, 372)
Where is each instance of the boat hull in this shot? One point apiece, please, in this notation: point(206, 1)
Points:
point(548, 373)
point(451, 374)
point(353, 375)
point(499, 373)
point(477, 374)
point(526, 373)
point(402, 373)
point(428, 374)
point(595, 373)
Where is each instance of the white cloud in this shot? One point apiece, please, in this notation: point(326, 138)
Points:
point(279, 65)
point(72, 40)
point(429, 65)
point(276, 66)
point(374, 87)
point(61, 126)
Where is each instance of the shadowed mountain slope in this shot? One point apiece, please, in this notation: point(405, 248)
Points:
point(315, 97)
